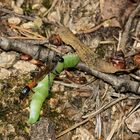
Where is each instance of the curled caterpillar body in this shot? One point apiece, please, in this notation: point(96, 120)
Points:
point(42, 89)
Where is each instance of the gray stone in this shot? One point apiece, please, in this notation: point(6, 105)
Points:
point(24, 66)
point(7, 59)
point(4, 73)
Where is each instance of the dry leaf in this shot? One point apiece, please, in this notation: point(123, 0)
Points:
point(119, 10)
point(136, 60)
point(133, 122)
point(82, 134)
point(118, 60)
point(85, 53)
point(36, 62)
point(54, 17)
point(84, 23)
point(25, 57)
point(55, 40)
point(106, 67)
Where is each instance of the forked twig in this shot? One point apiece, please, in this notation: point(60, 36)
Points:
point(121, 85)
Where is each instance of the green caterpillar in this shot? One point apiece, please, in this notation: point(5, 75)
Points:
point(42, 89)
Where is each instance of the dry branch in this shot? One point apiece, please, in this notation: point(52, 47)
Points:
point(121, 85)
point(36, 51)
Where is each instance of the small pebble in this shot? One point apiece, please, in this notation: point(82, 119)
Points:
point(24, 66)
point(7, 59)
point(4, 73)
point(28, 25)
point(18, 10)
point(14, 20)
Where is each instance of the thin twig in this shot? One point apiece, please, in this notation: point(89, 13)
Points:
point(72, 85)
point(119, 41)
point(13, 13)
point(10, 12)
point(52, 6)
point(120, 84)
point(95, 28)
point(107, 42)
point(25, 38)
point(105, 107)
point(125, 35)
point(115, 126)
point(133, 110)
point(28, 31)
point(135, 76)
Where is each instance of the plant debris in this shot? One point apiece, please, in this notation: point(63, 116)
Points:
point(99, 98)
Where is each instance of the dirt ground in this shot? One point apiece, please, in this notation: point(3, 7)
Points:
point(82, 104)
